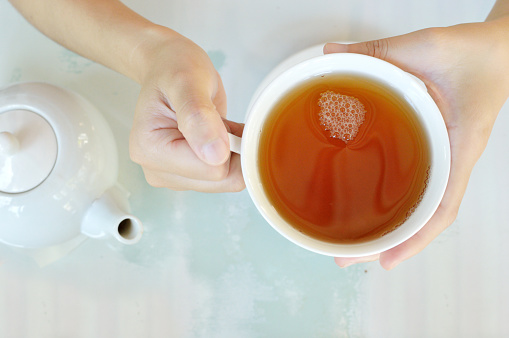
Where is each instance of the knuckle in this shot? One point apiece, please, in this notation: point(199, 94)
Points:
point(156, 181)
point(219, 173)
point(378, 48)
point(193, 115)
point(136, 156)
point(153, 181)
point(181, 78)
point(134, 150)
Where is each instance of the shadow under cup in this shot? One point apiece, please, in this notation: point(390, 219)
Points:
point(407, 87)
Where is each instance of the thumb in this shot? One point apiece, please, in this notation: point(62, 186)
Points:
point(409, 52)
point(379, 49)
point(201, 124)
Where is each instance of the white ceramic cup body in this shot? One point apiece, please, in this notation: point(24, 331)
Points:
point(400, 82)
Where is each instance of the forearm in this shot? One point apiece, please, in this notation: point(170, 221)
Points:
point(500, 9)
point(496, 32)
point(105, 31)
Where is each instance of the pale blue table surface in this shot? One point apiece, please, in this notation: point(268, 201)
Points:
point(208, 265)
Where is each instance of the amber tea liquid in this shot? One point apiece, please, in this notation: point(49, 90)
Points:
point(337, 191)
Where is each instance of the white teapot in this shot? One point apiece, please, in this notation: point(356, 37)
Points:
point(58, 170)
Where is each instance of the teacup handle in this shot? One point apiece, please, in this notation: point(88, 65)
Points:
point(235, 143)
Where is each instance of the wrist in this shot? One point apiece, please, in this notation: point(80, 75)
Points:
point(144, 52)
point(498, 53)
point(501, 35)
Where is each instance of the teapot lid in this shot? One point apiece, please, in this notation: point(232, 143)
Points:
point(28, 150)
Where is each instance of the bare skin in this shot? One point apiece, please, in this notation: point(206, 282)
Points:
point(461, 67)
point(179, 133)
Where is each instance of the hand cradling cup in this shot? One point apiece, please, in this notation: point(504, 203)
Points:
point(344, 154)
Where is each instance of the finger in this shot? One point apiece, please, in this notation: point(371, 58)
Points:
point(234, 182)
point(157, 145)
point(170, 152)
point(235, 128)
point(330, 48)
point(191, 97)
point(166, 150)
point(343, 262)
point(375, 48)
point(399, 50)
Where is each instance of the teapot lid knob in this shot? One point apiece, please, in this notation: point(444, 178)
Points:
point(28, 150)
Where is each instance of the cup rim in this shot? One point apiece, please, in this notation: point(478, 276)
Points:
point(409, 87)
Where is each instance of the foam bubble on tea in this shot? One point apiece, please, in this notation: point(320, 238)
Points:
point(341, 115)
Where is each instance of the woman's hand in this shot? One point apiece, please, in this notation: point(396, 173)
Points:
point(179, 134)
point(466, 71)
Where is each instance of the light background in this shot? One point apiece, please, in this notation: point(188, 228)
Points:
point(208, 264)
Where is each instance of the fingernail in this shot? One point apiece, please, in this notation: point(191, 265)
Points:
point(334, 48)
point(390, 266)
point(215, 152)
point(343, 263)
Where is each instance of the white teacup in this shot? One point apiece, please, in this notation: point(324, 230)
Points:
point(283, 80)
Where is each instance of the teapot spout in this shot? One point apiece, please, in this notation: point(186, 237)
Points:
point(109, 215)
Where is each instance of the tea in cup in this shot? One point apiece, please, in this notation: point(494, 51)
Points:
point(345, 155)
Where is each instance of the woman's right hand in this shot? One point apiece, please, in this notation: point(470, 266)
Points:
point(179, 134)
point(465, 69)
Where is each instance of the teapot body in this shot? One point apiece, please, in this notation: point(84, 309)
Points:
point(86, 165)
